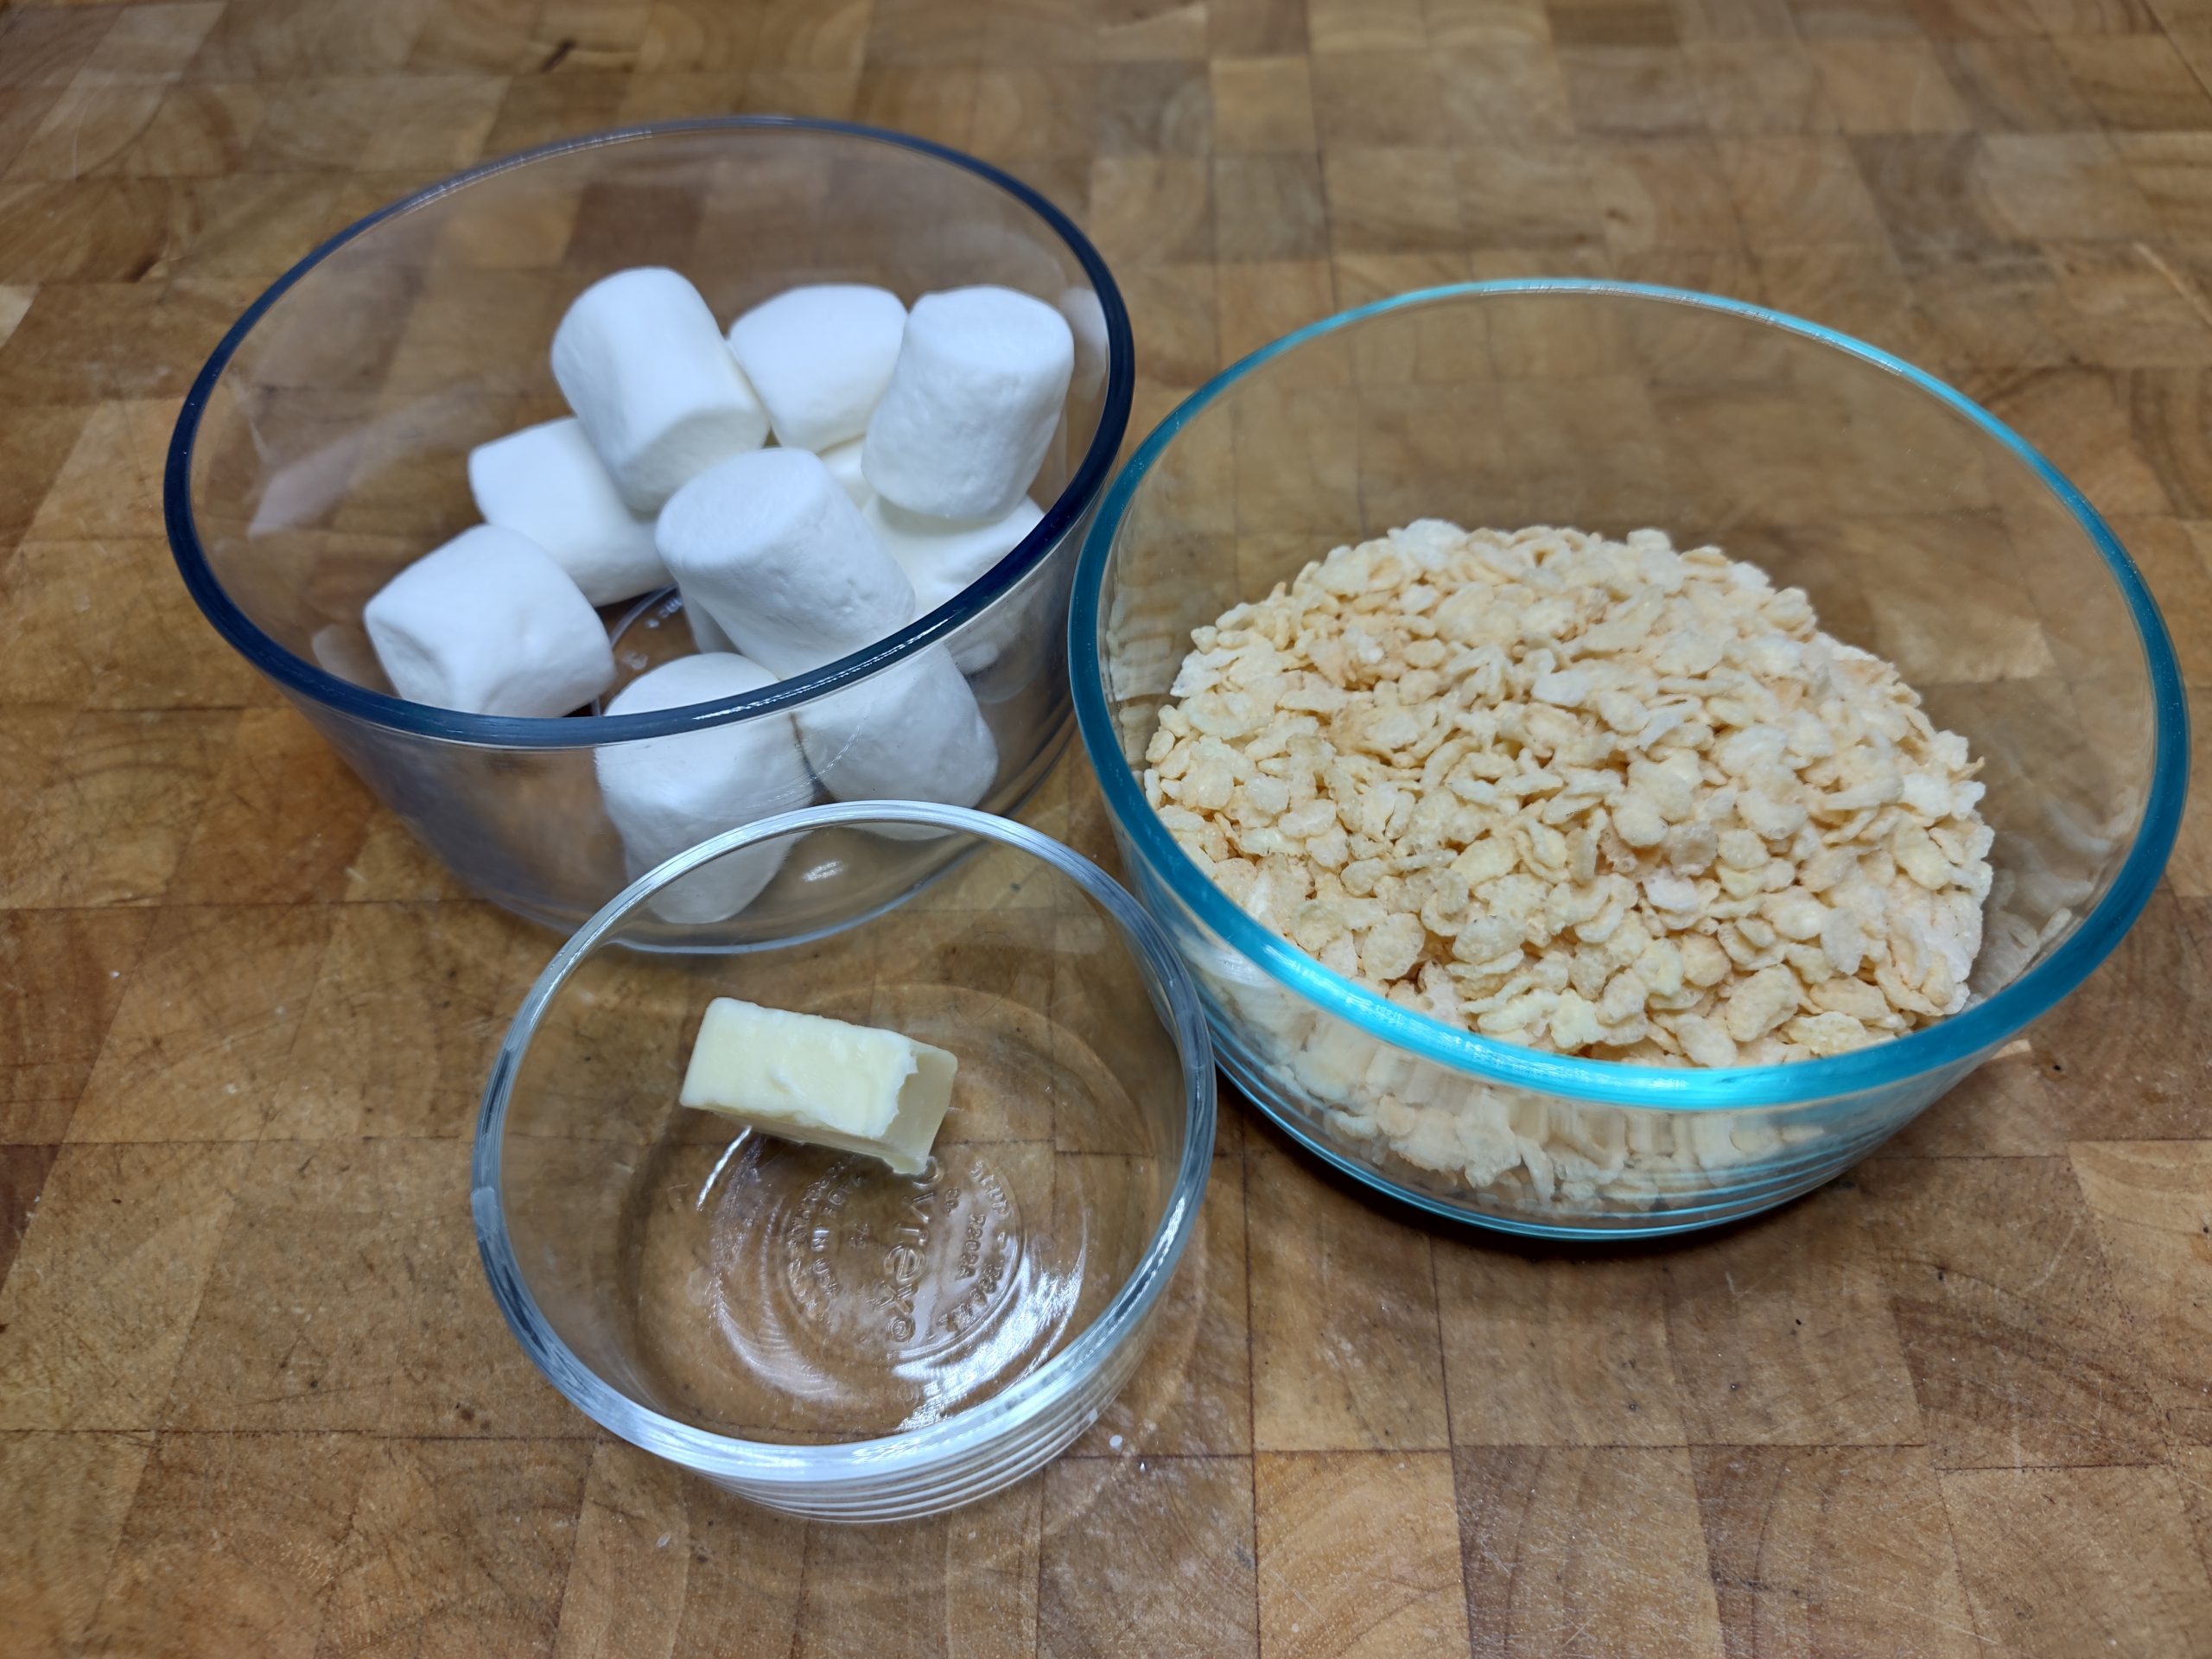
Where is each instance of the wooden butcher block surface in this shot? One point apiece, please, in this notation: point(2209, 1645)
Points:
point(254, 1397)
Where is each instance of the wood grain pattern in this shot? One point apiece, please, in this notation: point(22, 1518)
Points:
point(254, 1398)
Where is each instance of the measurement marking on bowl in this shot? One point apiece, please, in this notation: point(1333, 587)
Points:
point(930, 1259)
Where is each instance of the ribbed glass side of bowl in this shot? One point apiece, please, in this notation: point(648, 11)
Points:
point(324, 449)
point(525, 827)
point(900, 1488)
point(803, 1327)
point(1921, 529)
point(1552, 1164)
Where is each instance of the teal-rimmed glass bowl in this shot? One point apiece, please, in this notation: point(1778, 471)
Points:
point(1920, 526)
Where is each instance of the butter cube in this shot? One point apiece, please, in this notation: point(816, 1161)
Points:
point(807, 1077)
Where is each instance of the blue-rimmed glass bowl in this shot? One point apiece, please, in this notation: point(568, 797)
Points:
point(322, 449)
point(803, 1327)
point(1921, 527)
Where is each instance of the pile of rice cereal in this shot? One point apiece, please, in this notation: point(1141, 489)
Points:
point(1597, 798)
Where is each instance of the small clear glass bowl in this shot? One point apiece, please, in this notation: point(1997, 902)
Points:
point(1922, 528)
point(803, 1327)
point(322, 450)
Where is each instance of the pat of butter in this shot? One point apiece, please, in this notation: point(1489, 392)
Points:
point(822, 1081)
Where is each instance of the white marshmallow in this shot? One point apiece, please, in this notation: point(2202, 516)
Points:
point(912, 733)
point(770, 544)
point(548, 483)
point(941, 558)
point(972, 403)
point(707, 634)
point(1087, 322)
point(489, 623)
point(641, 362)
point(820, 356)
point(843, 460)
point(665, 794)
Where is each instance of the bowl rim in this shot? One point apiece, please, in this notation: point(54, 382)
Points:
point(944, 1442)
point(300, 677)
point(1957, 1041)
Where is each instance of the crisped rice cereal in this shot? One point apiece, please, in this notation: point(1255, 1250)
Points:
point(1597, 798)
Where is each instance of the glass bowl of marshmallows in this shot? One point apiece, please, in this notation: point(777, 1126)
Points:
point(854, 1317)
point(1610, 755)
point(605, 498)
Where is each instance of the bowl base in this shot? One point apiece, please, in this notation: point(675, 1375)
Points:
point(1752, 1197)
point(798, 1295)
point(643, 932)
